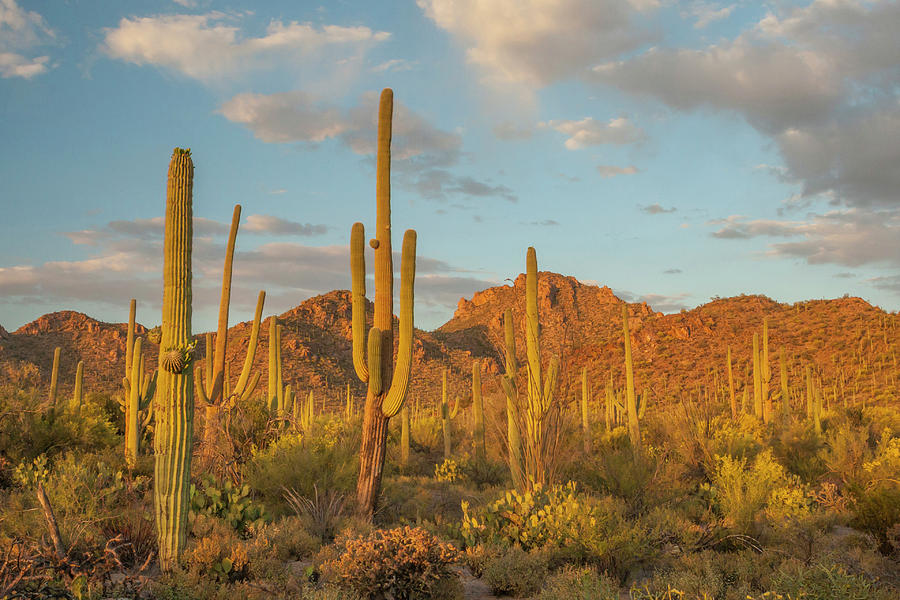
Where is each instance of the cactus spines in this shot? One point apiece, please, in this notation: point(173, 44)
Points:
point(478, 412)
point(508, 381)
point(634, 427)
point(54, 376)
point(381, 406)
point(175, 399)
point(585, 417)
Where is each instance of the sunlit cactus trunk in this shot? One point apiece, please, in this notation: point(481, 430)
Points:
point(634, 427)
point(54, 376)
point(508, 381)
point(732, 397)
point(445, 415)
point(378, 368)
point(478, 413)
point(585, 417)
point(175, 400)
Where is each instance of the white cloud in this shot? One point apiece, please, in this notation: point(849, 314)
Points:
point(821, 80)
point(20, 32)
point(421, 153)
point(850, 237)
point(591, 132)
point(706, 13)
point(537, 42)
point(612, 170)
point(125, 266)
point(273, 225)
point(211, 46)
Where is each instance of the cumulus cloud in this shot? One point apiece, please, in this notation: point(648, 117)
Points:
point(212, 46)
point(821, 80)
point(537, 42)
point(421, 153)
point(126, 262)
point(590, 132)
point(705, 13)
point(657, 209)
point(21, 31)
point(849, 237)
point(612, 170)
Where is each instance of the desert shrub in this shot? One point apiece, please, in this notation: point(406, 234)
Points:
point(516, 572)
point(322, 513)
point(798, 448)
point(725, 576)
point(420, 499)
point(30, 427)
point(485, 473)
point(229, 502)
point(627, 475)
point(876, 491)
point(825, 582)
point(742, 491)
point(404, 563)
point(579, 583)
point(558, 517)
point(289, 538)
point(329, 461)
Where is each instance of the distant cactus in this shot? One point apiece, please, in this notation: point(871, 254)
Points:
point(78, 392)
point(734, 407)
point(445, 414)
point(54, 377)
point(585, 418)
point(404, 434)
point(381, 404)
point(279, 396)
point(175, 401)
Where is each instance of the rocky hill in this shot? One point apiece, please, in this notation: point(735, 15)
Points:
point(850, 344)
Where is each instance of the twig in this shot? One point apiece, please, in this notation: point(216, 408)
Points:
point(58, 547)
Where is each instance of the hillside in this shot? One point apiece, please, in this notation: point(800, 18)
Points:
point(849, 343)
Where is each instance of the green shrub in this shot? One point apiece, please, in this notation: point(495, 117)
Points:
point(579, 583)
point(232, 504)
point(516, 572)
point(405, 563)
point(826, 582)
point(559, 518)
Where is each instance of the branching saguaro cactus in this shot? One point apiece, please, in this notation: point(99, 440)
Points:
point(508, 381)
point(540, 414)
point(174, 408)
point(139, 390)
point(212, 396)
point(631, 407)
point(373, 364)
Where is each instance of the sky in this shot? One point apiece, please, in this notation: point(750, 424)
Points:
point(673, 151)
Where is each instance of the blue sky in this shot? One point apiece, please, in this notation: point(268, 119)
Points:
point(673, 151)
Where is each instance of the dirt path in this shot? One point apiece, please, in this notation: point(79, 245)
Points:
point(473, 588)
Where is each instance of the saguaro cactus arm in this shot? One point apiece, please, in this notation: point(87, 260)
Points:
point(400, 380)
point(241, 389)
point(358, 299)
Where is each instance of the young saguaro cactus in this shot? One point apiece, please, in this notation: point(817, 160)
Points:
point(445, 415)
point(585, 416)
point(373, 364)
point(137, 401)
point(174, 409)
point(54, 376)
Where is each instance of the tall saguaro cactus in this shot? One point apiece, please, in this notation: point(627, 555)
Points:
point(54, 376)
point(631, 408)
point(175, 395)
point(585, 417)
point(378, 368)
point(445, 415)
point(541, 389)
point(734, 408)
point(139, 390)
point(477, 412)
